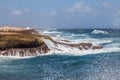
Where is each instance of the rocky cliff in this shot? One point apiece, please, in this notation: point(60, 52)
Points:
point(21, 44)
point(42, 49)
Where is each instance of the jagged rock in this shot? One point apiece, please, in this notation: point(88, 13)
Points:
point(75, 45)
point(86, 46)
point(81, 46)
point(97, 47)
point(26, 51)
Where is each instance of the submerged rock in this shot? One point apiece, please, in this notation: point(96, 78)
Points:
point(97, 47)
point(81, 46)
point(86, 46)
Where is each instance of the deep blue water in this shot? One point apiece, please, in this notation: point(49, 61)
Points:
point(104, 66)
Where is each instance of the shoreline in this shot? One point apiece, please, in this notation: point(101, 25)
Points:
point(33, 44)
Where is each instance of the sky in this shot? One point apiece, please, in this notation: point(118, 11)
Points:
point(73, 14)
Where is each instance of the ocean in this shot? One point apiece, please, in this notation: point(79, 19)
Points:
point(70, 64)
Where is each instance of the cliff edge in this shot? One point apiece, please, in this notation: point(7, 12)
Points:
point(21, 42)
point(27, 42)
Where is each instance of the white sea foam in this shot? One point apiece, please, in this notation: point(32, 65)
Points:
point(66, 50)
point(88, 52)
point(75, 35)
point(27, 28)
point(99, 32)
point(84, 40)
point(51, 32)
point(93, 41)
point(113, 45)
point(58, 36)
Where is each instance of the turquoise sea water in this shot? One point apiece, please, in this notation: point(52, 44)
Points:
point(57, 66)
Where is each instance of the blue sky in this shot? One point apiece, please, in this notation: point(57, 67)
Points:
point(60, 13)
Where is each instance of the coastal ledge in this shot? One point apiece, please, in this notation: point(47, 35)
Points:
point(28, 42)
point(21, 42)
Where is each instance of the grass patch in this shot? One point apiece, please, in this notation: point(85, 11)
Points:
point(8, 41)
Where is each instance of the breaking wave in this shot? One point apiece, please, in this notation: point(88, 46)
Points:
point(70, 38)
point(99, 32)
point(67, 63)
point(51, 32)
point(65, 50)
point(78, 35)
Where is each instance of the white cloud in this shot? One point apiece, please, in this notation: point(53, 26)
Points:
point(80, 7)
point(53, 13)
point(106, 5)
point(19, 12)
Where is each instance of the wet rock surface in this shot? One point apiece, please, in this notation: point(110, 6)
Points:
point(26, 51)
point(81, 46)
point(97, 47)
point(40, 47)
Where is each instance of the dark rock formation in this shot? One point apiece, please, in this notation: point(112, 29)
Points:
point(86, 46)
point(81, 46)
point(97, 47)
point(26, 51)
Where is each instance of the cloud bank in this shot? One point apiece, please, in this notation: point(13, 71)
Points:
point(80, 7)
point(19, 12)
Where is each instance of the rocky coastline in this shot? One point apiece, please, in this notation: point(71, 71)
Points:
point(30, 43)
point(26, 51)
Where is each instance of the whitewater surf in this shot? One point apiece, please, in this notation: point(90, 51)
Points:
point(68, 63)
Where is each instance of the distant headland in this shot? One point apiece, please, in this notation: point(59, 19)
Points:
point(22, 42)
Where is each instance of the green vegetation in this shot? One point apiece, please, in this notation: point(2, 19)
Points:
point(8, 41)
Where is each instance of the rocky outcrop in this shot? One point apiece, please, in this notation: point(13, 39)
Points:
point(81, 46)
point(43, 49)
point(26, 51)
point(97, 47)
point(85, 46)
point(23, 44)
